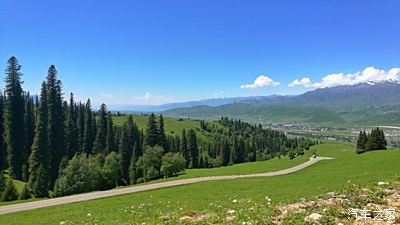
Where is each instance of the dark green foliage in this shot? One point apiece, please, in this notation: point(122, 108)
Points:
point(10, 192)
point(184, 148)
point(149, 165)
point(89, 131)
point(111, 170)
point(40, 155)
point(172, 164)
point(14, 118)
point(2, 145)
point(71, 140)
point(362, 142)
point(376, 140)
point(193, 150)
point(82, 174)
point(40, 186)
point(129, 146)
point(55, 122)
point(132, 171)
point(163, 137)
point(3, 181)
point(152, 132)
point(25, 194)
point(100, 142)
point(110, 137)
point(29, 126)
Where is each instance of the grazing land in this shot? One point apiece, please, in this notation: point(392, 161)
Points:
point(150, 206)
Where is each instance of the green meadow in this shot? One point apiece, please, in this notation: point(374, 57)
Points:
point(325, 176)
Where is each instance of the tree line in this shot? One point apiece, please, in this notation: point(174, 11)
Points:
point(371, 141)
point(61, 147)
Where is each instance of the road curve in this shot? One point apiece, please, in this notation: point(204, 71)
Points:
point(102, 194)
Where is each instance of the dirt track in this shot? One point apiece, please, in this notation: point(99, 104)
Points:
point(114, 192)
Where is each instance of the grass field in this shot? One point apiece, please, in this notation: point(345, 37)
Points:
point(172, 125)
point(320, 178)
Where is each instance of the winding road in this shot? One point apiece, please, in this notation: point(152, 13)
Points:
point(102, 194)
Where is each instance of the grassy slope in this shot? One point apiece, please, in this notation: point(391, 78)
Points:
point(172, 126)
point(320, 178)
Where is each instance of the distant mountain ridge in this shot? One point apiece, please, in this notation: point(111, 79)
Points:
point(168, 106)
point(365, 103)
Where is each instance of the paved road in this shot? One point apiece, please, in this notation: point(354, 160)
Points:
point(114, 192)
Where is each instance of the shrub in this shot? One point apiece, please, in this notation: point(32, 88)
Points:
point(25, 194)
point(82, 174)
point(172, 164)
point(140, 180)
point(10, 192)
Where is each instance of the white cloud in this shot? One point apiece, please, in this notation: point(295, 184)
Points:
point(146, 99)
point(261, 81)
point(369, 74)
point(305, 81)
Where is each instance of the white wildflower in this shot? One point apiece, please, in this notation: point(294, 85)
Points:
point(230, 218)
point(234, 200)
point(231, 211)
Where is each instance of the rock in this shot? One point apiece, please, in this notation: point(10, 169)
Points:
point(313, 218)
point(186, 218)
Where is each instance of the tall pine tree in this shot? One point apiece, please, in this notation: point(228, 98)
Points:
point(71, 143)
point(88, 132)
point(29, 126)
point(55, 122)
point(193, 150)
point(40, 156)
point(14, 118)
point(152, 132)
point(100, 142)
point(2, 145)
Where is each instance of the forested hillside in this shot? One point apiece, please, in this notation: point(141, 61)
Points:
point(61, 147)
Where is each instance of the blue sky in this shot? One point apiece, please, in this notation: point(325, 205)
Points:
point(149, 52)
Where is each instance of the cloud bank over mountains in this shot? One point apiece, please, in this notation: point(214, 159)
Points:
point(369, 74)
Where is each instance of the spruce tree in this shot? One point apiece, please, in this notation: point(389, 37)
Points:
point(362, 142)
point(132, 170)
point(40, 155)
point(163, 137)
point(10, 192)
point(184, 148)
point(3, 181)
point(25, 194)
point(193, 150)
point(14, 118)
point(152, 132)
point(71, 143)
point(29, 125)
point(55, 124)
point(2, 145)
point(40, 187)
point(80, 125)
point(100, 142)
point(88, 133)
point(110, 137)
point(124, 151)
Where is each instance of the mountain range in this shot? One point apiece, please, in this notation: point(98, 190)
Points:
point(361, 104)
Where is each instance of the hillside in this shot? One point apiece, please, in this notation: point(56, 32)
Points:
point(362, 104)
point(173, 126)
point(164, 206)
